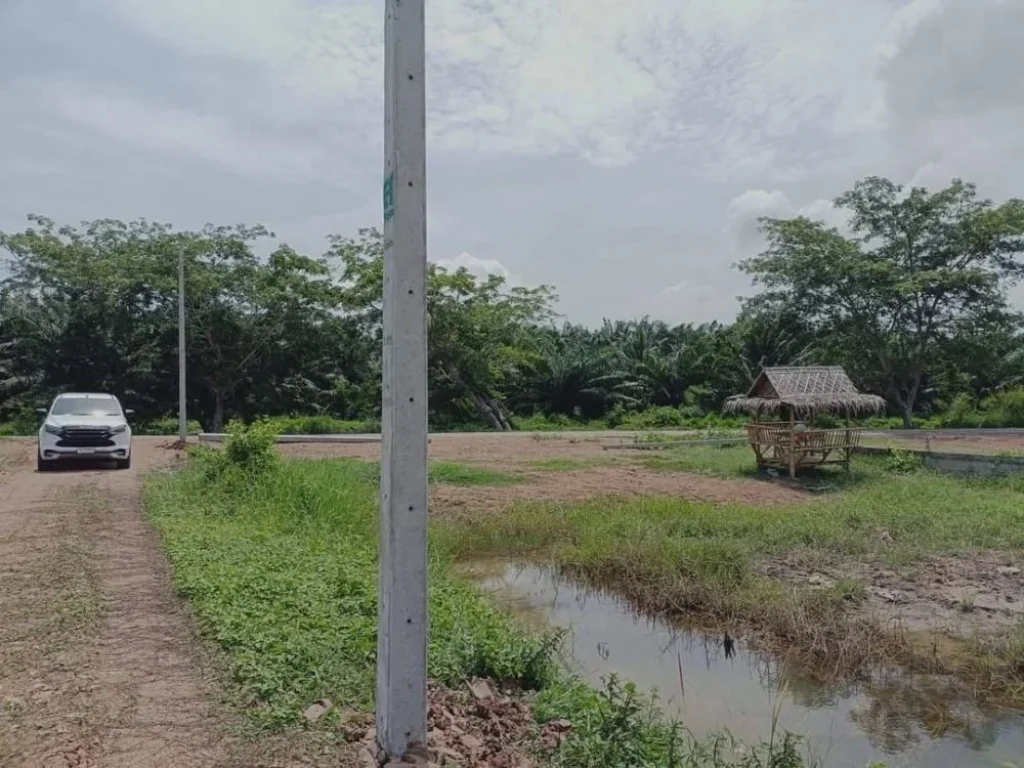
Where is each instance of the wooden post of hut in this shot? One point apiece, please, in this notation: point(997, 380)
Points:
point(802, 392)
point(792, 444)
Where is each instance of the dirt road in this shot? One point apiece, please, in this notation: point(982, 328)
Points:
point(99, 665)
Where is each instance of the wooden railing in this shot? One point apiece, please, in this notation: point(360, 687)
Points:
point(782, 445)
point(783, 434)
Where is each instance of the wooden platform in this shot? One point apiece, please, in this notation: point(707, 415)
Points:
point(785, 446)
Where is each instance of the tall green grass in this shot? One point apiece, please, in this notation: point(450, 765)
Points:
point(279, 560)
point(282, 572)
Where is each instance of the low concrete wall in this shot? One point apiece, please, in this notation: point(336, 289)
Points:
point(961, 463)
point(218, 437)
point(661, 445)
point(948, 432)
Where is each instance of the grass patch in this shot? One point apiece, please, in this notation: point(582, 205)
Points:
point(718, 460)
point(452, 473)
point(282, 573)
point(280, 566)
point(671, 555)
point(566, 464)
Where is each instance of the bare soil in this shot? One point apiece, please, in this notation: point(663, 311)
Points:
point(582, 484)
point(611, 474)
point(509, 450)
point(99, 662)
point(959, 597)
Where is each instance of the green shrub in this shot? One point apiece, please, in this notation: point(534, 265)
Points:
point(962, 412)
point(167, 425)
point(1006, 406)
point(250, 448)
point(21, 423)
point(1001, 410)
point(321, 425)
point(655, 418)
point(903, 462)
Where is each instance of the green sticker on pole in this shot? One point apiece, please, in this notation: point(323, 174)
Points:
point(389, 197)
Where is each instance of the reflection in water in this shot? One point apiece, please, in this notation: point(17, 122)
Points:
point(710, 681)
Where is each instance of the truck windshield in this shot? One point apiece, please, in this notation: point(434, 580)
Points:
point(85, 406)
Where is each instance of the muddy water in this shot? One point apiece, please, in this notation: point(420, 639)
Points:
point(711, 681)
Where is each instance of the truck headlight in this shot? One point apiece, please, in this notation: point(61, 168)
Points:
point(118, 429)
point(51, 428)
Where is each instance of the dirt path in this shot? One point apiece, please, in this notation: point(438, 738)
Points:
point(98, 663)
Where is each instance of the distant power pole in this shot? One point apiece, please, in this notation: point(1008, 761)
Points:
point(402, 632)
point(182, 416)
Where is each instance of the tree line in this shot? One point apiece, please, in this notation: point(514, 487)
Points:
point(911, 299)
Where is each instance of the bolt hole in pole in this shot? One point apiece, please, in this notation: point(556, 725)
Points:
point(402, 604)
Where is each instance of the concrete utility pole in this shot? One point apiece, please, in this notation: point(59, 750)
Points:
point(182, 416)
point(402, 632)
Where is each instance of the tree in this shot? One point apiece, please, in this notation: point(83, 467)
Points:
point(481, 331)
point(95, 308)
point(888, 299)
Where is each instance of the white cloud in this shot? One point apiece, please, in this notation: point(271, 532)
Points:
point(823, 210)
point(478, 267)
point(745, 210)
point(609, 148)
point(759, 202)
point(209, 138)
point(606, 79)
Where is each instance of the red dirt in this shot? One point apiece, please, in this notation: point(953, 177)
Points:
point(582, 484)
point(99, 665)
point(492, 449)
point(612, 474)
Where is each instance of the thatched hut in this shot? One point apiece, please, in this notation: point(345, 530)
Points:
point(796, 394)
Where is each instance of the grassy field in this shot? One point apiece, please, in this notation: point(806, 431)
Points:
point(680, 557)
point(279, 563)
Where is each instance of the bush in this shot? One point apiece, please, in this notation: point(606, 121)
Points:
point(655, 418)
point(248, 453)
point(22, 422)
point(903, 462)
point(1007, 407)
point(1000, 410)
point(321, 425)
point(251, 448)
point(167, 425)
point(962, 412)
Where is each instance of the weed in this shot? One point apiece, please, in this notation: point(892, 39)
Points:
point(168, 425)
point(615, 726)
point(903, 462)
point(282, 574)
point(567, 464)
point(464, 474)
point(671, 556)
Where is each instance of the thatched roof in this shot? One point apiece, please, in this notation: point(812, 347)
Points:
point(805, 390)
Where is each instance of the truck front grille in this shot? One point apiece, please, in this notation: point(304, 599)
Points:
point(84, 437)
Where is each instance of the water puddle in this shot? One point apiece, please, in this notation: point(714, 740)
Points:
point(712, 681)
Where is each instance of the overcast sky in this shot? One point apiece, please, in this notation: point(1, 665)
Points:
point(620, 150)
